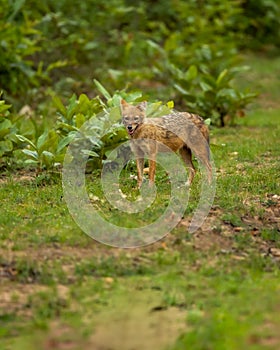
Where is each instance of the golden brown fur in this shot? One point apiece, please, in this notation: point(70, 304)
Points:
point(179, 131)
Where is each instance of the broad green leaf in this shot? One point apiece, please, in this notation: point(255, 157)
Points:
point(66, 126)
point(4, 107)
point(83, 98)
point(181, 89)
point(114, 114)
point(5, 128)
point(32, 154)
point(65, 142)
point(191, 73)
point(80, 120)
point(116, 100)
point(205, 86)
point(132, 96)
point(172, 42)
point(153, 108)
point(12, 137)
point(227, 93)
point(102, 89)
point(42, 139)
point(59, 105)
point(115, 74)
point(72, 107)
point(84, 105)
point(187, 96)
point(49, 143)
point(26, 128)
point(207, 121)
point(91, 45)
point(17, 5)
point(5, 146)
point(210, 80)
point(31, 161)
point(59, 158)
point(90, 153)
point(239, 69)
point(221, 77)
point(155, 46)
point(57, 64)
point(5, 124)
point(25, 139)
point(47, 159)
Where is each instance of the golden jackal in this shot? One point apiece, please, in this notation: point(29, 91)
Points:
point(178, 131)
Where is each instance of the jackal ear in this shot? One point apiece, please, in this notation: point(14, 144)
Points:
point(142, 106)
point(123, 104)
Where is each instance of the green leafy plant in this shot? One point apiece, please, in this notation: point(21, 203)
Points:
point(19, 39)
point(8, 130)
point(206, 86)
point(259, 23)
point(92, 121)
point(48, 151)
point(217, 97)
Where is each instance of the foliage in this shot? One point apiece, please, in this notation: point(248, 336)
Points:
point(260, 23)
point(64, 43)
point(206, 87)
point(20, 44)
point(92, 124)
point(8, 130)
point(95, 123)
point(46, 153)
point(182, 51)
point(19, 40)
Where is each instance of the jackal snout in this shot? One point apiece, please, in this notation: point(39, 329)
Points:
point(132, 116)
point(131, 127)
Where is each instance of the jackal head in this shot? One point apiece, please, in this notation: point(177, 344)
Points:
point(132, 116)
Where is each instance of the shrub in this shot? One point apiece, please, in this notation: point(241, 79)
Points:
point(102, 130)
point(19, 40)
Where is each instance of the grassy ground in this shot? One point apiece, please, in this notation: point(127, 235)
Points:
point(216, 289)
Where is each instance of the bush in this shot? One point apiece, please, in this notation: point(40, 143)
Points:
point(260, 21)
point(19, 40)
point(152, 45)
point(102, 132)
point(10, 126)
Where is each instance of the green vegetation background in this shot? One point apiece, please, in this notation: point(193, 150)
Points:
point(66, 62)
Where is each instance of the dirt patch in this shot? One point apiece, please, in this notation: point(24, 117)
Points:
point(20, 176)
point(219, 235)
point(131, 321)
point(15, 300)
point(138, 323)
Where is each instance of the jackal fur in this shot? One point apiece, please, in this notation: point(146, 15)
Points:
point(177, 131)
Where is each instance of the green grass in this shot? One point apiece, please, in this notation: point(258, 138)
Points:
point(215, 289)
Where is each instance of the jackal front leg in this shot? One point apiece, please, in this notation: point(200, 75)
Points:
point(152, 171)
point(140, 168)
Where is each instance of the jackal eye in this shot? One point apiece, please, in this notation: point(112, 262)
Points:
point(136, 118)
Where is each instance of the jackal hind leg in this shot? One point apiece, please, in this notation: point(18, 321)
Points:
point(202, 152)
point(186, 155)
